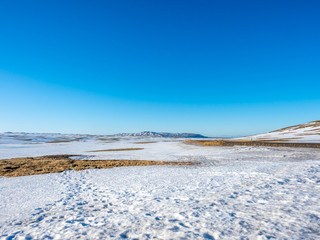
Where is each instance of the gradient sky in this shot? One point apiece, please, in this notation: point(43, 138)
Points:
point(220, 68)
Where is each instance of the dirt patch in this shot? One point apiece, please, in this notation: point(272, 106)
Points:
point(58, 163)
point(144, 142)
point(269, 143)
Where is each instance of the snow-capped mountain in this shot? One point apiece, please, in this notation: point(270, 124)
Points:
point(162, 134)
point(307, 132)
point(23, 137)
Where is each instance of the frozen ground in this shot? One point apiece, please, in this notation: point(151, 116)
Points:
point(237, 193)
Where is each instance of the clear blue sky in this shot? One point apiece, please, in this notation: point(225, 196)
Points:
point(219, 68)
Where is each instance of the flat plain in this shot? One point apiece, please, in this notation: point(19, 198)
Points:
point(207, 192)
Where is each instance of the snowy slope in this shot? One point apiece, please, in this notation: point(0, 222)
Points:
point(308, 132)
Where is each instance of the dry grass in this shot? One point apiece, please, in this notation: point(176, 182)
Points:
point(279, 140)
point(308, 134)
point(63, 140)
point(14, 136)
point(59, 141)
point(267, 143)
point(117, 149)
point(300, 126)
point(108, 139)
point(58, 163)
point(145, 142)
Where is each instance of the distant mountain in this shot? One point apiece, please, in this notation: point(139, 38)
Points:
point(306, 132)
point(162, 134)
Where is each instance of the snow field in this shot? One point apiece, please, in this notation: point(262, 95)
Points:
point(239, 201)
point(237, 193)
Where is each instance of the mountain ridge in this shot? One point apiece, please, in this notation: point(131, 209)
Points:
point(161, 134)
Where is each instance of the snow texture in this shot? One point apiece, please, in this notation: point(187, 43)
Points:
point(236, 193)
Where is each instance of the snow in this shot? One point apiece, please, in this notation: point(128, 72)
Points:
point(306, 133)
point(236, 193)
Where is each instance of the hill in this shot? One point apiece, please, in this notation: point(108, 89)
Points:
point(307, 132)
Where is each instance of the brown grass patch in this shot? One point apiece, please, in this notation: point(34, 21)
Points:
point(279, 140)
point(58, 163)
point(308, 134)
point(117, 149)
point(59, 141)
point(266, 143)
point(63, 140)
point(108, 139)
point(145, 142)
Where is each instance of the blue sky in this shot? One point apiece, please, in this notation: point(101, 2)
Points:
point(220, 68)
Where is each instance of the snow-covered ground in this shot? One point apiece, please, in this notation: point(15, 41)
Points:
point(307, 133)
point(236, 193)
